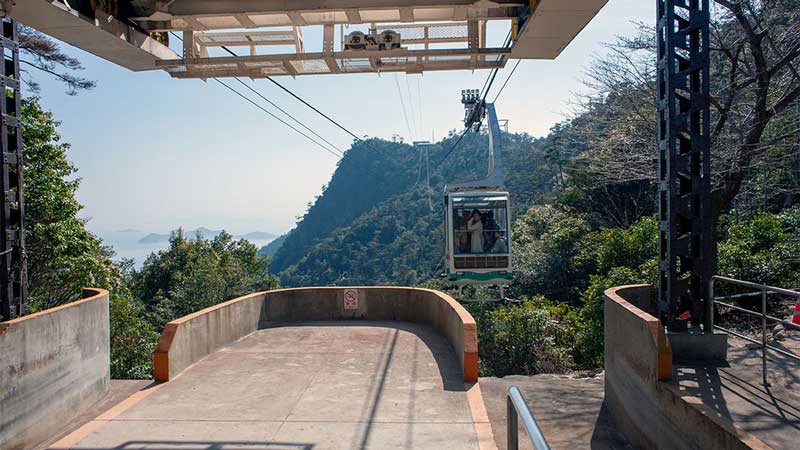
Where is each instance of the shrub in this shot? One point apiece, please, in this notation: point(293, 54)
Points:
point(528, 338)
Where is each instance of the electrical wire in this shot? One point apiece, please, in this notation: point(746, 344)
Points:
point(338, 155)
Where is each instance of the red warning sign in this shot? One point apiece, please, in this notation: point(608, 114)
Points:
point(350, 299)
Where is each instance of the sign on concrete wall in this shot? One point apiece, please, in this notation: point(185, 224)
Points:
point(350, 299)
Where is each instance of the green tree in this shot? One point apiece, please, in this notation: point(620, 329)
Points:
point(63, 256)
point(193, 274)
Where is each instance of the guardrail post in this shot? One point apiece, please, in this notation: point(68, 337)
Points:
point(512, 429)
point(764, 335)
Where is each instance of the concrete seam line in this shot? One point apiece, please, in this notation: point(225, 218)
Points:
point(72, 439)
point(480, 417)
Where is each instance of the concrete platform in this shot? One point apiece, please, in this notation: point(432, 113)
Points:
point(771, 414)
point(120, 390)
point(569, 410)
point(321, 386)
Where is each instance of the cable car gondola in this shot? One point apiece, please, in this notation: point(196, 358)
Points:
point(477, 214)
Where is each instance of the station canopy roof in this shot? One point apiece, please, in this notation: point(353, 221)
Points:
point(267, 35)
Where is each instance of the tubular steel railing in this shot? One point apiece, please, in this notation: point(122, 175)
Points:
point(763, 291)
point(517, 407)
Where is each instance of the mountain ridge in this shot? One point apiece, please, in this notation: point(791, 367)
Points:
point(156, 238)
point(395, 237)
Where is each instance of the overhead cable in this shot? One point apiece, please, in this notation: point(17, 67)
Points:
point(287, 114)
point(333, 152)
point(403, 105)
point(297, 97)
point(506, 82)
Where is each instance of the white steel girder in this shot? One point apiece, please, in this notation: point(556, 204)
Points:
point(545, 28)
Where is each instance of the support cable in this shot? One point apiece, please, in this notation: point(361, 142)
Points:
point(288, 115)
point(293, 95)
point(303, 101)
point(506, 82)
point(403, 105)
point(452, 147)
point(487, 86)
point(411, 109)
point(338, 155)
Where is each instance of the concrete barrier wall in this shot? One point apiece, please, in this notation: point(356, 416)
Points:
point(644, 404)
point(54, 365)
point(188, 339)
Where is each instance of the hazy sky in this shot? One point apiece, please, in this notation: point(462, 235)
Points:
point(155, 153)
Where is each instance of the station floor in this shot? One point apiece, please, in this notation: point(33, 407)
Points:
point(770, 413)
point(315, 386)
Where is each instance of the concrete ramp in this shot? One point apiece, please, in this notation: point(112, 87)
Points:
point(312, 369)
point(319, 385)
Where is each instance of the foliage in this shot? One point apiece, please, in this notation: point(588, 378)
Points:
point(45, 55)
point(528, 338)
point(193, 274)
point(546, 242)
point(763, 249)
point(133, 339)
point(391, 233)
point(63, 257)
point(754, 93)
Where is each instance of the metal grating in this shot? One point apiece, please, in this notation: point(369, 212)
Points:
point(429, 32)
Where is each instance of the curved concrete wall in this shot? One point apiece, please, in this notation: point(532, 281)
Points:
point(645, 405)
point(188, 339)
point(54, 365)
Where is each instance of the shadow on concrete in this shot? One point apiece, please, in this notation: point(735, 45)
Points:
point(446, 362)
point(205, 445)
point(377, 384)
point(605, 435)
point(703, 383)
point(770, 413)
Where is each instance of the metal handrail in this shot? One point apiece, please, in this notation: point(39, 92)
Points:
point(516, 406)
point(763, 291)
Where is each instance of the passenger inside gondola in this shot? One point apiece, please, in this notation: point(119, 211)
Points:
point(475, 228)
point(500, 245)
point(461, 233)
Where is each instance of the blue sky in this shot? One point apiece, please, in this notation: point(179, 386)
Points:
point(156, 153)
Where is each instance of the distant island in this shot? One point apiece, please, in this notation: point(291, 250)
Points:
point(157, 238)
point(129, 230)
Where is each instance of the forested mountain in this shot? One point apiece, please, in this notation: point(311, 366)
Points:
point(378, 221)
point(371, 171)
